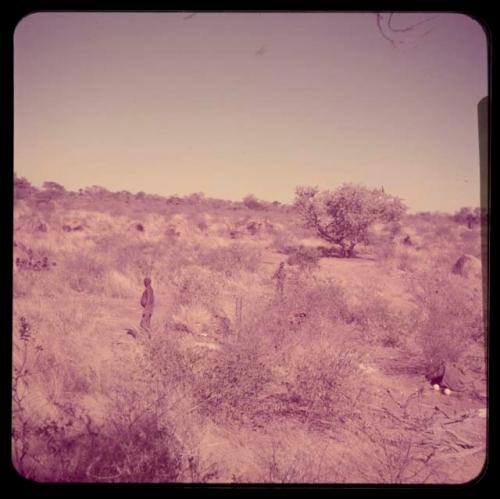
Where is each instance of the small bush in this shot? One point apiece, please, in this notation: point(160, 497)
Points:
point(407, 259)
point(308, 310)
point(195, 285)
point(380, 321)
point(172, 233)
point(450, 315)
point(70, 448)
point(326, 386)
point(231, 388)
point(31, 263)
point(85, 274)
point(146, 451)
point(469, 216)
point(284, 240)
point(283, 463)
point(252, 203)
point(230, 260)
point(305, 258)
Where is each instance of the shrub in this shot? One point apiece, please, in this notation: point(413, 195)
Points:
point(326, 385)
point(145, 451)
point(84, 273)
point(451, 315)
point(470, 243)
point(305, 258)
point(396, 457)
point(252, 203)
point(230, 260)
point(406, 259)
point(307, 312)
point(282, 463)
point(380, 320)
point(70, 448)
point(468, 216)
point(32, 263)
point(284, 242)
point(231, 386)
point(380, 240)
point(172, 233)
point(119, 285)
point(198, 220)
point(139, 440)
point(22, 188)
point(202, 226)
point(195, 285)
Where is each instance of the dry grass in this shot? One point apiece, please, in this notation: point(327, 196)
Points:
point(228, 356)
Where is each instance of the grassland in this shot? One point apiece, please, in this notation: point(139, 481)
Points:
point(237, 385)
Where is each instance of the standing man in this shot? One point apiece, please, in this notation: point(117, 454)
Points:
point(280, 275)
point(147, 303)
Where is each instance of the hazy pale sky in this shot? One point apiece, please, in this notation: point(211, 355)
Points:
point(230, 104)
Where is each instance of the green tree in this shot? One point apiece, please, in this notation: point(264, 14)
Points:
point(343, 216)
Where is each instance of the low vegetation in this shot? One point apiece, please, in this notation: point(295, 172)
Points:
point(240, 382)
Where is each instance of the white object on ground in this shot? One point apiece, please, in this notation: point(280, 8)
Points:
point(436, 387)
point(447, 391)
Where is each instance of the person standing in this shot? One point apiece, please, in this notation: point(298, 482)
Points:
point(147, 303)
point(280, 275)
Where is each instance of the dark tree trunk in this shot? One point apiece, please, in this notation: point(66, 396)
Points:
point(347, 251)
point(350, 250)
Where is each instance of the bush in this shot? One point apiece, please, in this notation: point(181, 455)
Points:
point(252, 203)
point(326, 385)
point(70, 448)
point(284, 242)
point(138, 441)
point(407, 259)
point(284, 463)
point(470, 243)
point(84, 273)
point(145, 451)
point(231, 387)
point(305, 258)
point(380, 320)
point(34, 262)
point(230, 260)
point(22, 188)
point(307, 312)
point(381, 240)
point(195, 285)
point(468, 216)
point(451, 315)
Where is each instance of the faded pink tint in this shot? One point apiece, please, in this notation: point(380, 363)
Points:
point(222, 336)
point(237, 103)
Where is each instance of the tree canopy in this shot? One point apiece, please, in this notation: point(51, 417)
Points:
point(344, 216)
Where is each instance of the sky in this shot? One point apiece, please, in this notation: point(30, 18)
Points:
point(231, 104)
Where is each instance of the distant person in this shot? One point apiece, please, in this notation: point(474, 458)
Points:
point(280, 275)
point(470, 220)
point(147, 303)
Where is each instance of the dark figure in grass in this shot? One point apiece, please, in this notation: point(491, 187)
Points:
point(147, 303)
point(280, 275)
point(447, 376)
